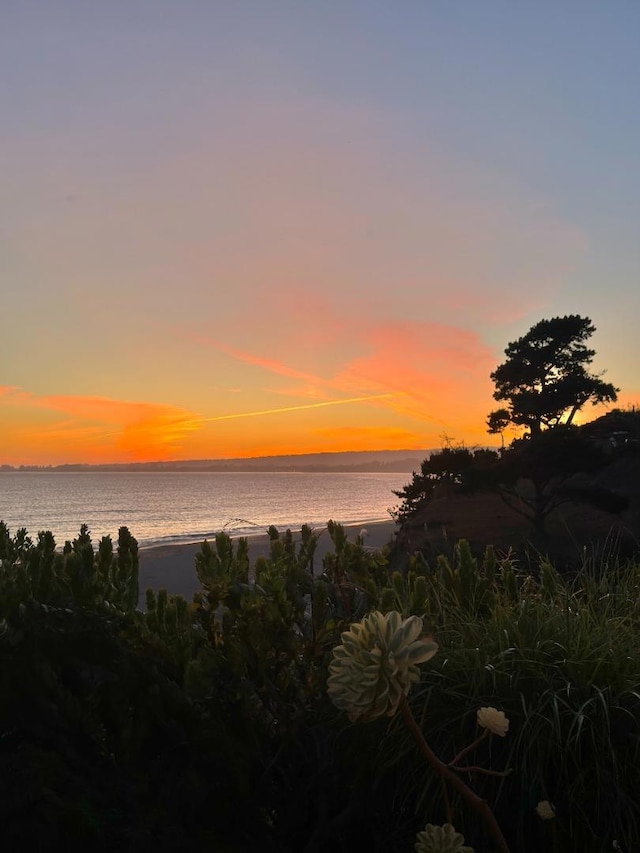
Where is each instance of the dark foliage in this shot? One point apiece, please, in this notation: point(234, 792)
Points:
point(444, 472)
point(534, 476)
point(206, 726)
point(540, 473)
point(100, 747)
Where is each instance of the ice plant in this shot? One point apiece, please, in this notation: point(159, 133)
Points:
point(441, 839)
point(376, 664)
point(493, 720)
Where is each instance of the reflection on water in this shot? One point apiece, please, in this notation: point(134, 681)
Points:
point(182, 507)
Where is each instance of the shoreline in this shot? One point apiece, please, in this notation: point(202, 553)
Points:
point(172, 567)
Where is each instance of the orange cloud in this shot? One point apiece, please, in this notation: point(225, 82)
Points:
point(442, 371)
point(270, 364)
point(12, 395)
point(97, 429)
point(430, 372)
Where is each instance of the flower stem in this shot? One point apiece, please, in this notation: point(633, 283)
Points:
point(469, 748)
point(447, 801)
point(446, 774)
point(475, 769)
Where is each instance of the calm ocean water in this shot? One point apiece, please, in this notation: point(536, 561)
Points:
point(166, 507)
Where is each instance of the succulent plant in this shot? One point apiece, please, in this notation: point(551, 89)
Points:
point(376, 664)
point(441, 839)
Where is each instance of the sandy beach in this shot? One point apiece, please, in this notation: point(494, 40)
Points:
point(172, 566)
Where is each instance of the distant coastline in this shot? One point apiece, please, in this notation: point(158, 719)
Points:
point(366, 461)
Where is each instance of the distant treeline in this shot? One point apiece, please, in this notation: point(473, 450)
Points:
point(389, 461)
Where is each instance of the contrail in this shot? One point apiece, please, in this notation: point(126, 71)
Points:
point(298, 408)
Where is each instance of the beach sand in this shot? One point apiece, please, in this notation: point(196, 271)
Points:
point(172, 567)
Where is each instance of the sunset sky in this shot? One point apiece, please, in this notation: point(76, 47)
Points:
point(247, 227)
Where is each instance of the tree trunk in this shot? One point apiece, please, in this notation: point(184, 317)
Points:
point(573, 413)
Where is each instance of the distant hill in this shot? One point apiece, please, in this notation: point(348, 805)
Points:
point(383, 461)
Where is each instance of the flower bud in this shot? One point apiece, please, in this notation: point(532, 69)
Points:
point(493, 720)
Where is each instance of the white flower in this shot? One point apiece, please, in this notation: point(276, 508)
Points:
point(545, 810)
point(376, 664)
point(441, 839)
point(494, 720)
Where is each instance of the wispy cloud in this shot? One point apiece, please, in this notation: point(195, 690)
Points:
point(277, 411)
point(270, 364)
point(433, 373)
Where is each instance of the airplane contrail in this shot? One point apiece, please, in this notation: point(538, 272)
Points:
point(298, 408)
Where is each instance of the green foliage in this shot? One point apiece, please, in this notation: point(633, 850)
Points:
point(169, 621)
point(262, 635)
point(560, 657)
point(206, 725)
point(254, 617)
point(101, 746)
point(38, 571)
point(545, 376)
point(461, 583)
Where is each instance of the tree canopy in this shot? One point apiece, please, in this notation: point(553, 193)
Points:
point(545, 378)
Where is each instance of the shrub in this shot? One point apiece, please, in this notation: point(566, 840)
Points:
point(207, 723)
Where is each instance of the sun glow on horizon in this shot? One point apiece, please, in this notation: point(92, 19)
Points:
point(91, 430)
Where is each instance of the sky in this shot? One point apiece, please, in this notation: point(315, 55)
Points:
point(236, 228)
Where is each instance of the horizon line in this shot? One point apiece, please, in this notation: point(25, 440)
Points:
point(411, 451)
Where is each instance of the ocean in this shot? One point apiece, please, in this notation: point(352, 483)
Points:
point(162, 508)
